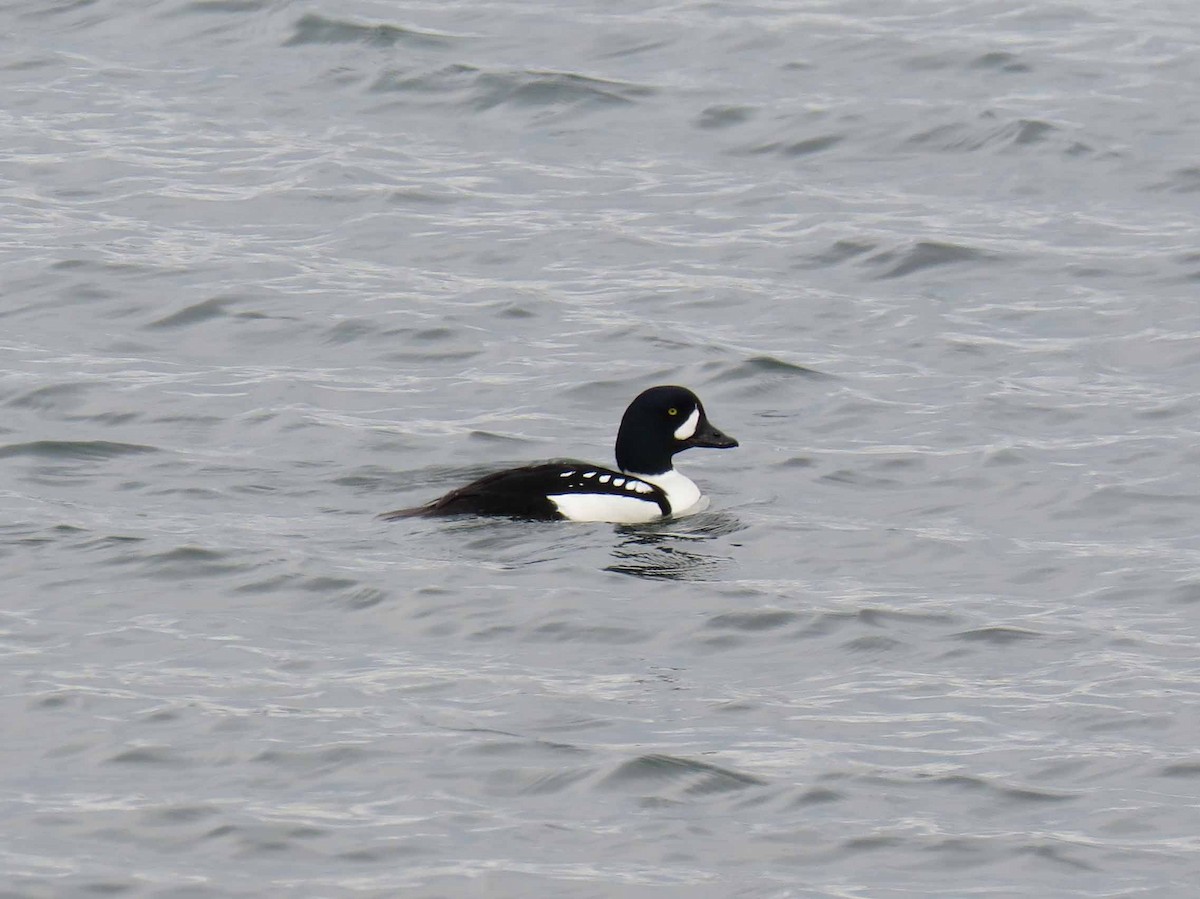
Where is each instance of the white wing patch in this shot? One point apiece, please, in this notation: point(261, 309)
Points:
point(604, 478)
point(566, 474)
point(589, 474)
point(688, 428)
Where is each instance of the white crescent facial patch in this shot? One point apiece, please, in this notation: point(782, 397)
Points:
point(688, 428)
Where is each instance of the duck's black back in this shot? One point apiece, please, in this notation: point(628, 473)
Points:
point(524, 492)
point(517, 493)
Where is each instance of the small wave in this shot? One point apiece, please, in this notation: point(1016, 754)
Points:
point(53, 398)
point(191, 315)
point(484, 90)
point(812, 145)
point(817, 796)
point(692, 777)
point(804, 147)
point(317, 29)
point(923, 255)
point(840, 251)
point(988, 134)
point(1004, 791)
point(999, 61)
point(966, 783)
point(269, 839)
point(161, 756)
point(724, 116)
point(1119, 502)
point(312, 759)
point(542, 783)
point(191, 562)
point(554, 89)
point(224, 6)
point(757, 620)
point(999, 635)
point(1184, 180)
point(110, 541)
point(1187, 592)
point(361, 598)
point(573, 632)
point(76, 450)
point(873, 643)
point(757, 366)
point(179, 814)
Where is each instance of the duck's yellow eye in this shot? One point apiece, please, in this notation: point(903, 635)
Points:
point(672, 411)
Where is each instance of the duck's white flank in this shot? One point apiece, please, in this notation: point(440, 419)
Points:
point(683, 495)
point(614, 507)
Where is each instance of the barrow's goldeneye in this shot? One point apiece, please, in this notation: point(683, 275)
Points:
point(659, 423)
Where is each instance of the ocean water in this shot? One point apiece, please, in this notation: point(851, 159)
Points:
point(271, 267)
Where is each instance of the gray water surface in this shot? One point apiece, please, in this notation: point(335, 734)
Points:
point(270, 267)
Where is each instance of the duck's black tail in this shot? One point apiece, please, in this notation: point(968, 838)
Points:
point(414, 512)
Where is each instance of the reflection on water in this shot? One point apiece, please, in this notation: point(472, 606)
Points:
point(656, 551)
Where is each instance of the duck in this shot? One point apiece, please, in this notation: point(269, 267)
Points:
point(644, 487)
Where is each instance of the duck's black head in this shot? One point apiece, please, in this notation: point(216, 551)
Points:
point(661, 422)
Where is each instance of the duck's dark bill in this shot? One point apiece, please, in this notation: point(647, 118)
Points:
point(707, 435)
